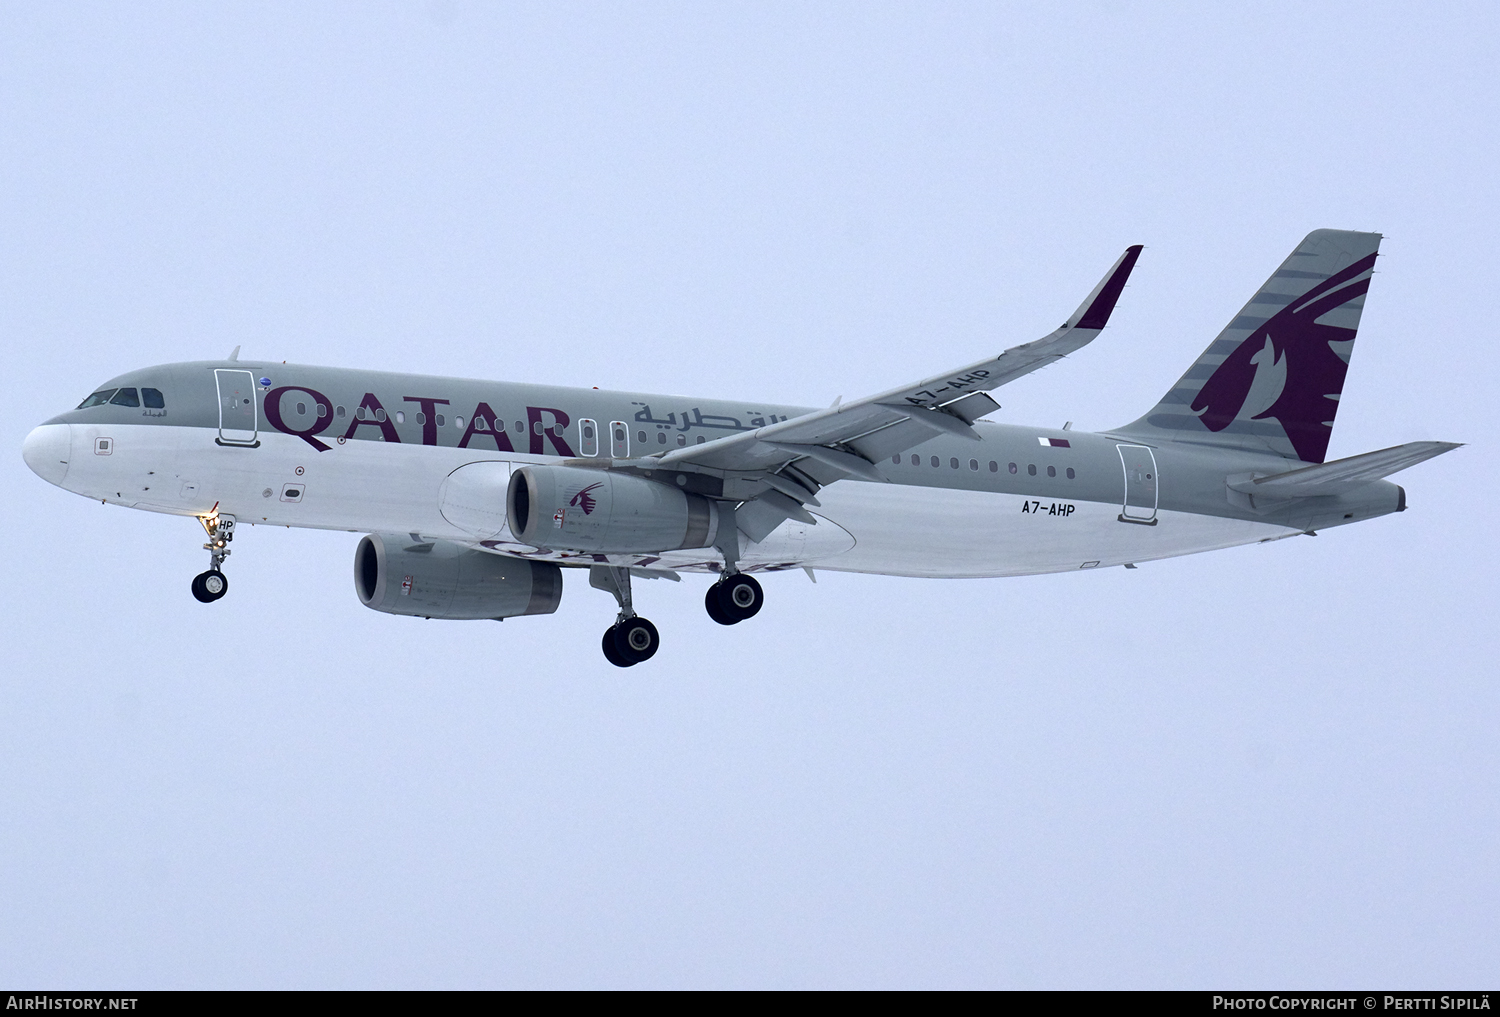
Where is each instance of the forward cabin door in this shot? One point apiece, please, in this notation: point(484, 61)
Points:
point(1140, 484)
point(238, 413)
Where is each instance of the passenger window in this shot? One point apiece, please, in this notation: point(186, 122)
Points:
point(338, 411)
point(701, 439)
point(152, 400)
point(953, 462)
point(458, 421)
point(1070, 473)
point(916, 460)
point(421, 417)
point(380, 415)
point(994, 466)
point(537, 427)
point(896, 458)
point(935, 461)
point(1052, 471)
point(661, 437)
point(301, 409)
point(520, 427)
point(440, 420)
point(97, 399)
point(322, 410)
point(1012, 467)
point(974, 465)
point(1031, 469)
point(480, 424)
point(640, 436)
point(125, 397)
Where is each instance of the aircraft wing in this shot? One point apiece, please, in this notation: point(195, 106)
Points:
point(793, 458)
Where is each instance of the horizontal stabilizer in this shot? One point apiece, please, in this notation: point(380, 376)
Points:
point(1341, 475)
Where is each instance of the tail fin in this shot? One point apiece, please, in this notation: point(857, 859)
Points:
point(1272, 379)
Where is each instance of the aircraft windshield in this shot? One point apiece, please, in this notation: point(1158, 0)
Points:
point(151, 398)
point(97, 399)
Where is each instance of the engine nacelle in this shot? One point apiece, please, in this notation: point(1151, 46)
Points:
point(577, 509)
point(394, 574)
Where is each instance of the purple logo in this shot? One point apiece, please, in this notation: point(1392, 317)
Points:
point(1290, 348)
point(586, 501)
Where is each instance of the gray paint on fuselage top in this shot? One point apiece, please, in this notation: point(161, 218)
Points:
point(1190, 476)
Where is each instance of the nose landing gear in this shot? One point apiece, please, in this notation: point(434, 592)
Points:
point(211, 585)
point(631, 639)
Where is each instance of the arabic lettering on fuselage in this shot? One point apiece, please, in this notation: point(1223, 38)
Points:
point(695, 417)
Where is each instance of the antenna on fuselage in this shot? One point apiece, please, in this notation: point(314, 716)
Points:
point(235, 355)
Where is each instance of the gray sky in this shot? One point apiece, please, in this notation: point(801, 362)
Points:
point(1271, 766)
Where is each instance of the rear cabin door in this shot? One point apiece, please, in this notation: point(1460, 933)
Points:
point(238, 412)
point(1140, 484)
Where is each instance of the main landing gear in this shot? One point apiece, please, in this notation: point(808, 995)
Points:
point(735, 596)
point(631, 639)
point(211, 585)
point(733, 599)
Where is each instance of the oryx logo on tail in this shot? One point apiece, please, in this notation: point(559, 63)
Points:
point(1271, 380)
point(1294, 353)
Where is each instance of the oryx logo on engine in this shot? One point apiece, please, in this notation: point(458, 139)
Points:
point(584, 500)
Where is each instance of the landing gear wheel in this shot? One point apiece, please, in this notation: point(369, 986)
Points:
point(737, 598)
point(612, 650)
point(636, 640)
point(210, 586)
point(715, 611)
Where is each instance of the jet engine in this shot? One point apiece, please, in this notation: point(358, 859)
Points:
point(578, 509)
point(439, 579)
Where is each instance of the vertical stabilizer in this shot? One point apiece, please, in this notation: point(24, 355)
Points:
point(1272, 379)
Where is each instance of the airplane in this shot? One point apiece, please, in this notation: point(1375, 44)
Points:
point(474, 496)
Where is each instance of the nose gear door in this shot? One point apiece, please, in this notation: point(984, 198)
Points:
point(1140, 484)
point(238, 413)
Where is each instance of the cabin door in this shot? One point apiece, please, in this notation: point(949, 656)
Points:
point(1140, 484)
point(238, 412)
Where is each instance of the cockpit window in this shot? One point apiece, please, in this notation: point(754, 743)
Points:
point(151, 398)
point(125, 397)
point(97, 399)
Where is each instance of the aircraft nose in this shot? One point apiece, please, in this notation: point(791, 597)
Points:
point(47, 451)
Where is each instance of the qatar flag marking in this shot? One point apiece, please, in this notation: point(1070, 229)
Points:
point(1054, 442)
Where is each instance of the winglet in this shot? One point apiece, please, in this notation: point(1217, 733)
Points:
point(1094, 312)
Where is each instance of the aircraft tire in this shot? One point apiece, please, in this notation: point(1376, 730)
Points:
point(636, 640)
point(612, 650)
point(740, 597)
point(210, 586)
point(715, 608)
